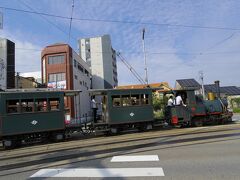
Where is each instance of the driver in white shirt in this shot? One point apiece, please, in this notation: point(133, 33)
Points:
point(179, 101)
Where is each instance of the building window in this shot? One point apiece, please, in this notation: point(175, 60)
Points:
point(80, 67)
point(75, 76)
point(86, 72)
point(56, 77)
point(75, 63)
point(56, 59)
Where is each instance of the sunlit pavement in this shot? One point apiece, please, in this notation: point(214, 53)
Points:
point(236, 117)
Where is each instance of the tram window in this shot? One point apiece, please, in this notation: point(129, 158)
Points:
point(41, 105)
point(126, 100)
point(144, 99)
point(116, 100)
point(27, 105)
point(135, 100)
point(54, 104)
point(13, 106)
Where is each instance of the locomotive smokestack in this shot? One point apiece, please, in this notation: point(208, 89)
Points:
point(217, 88)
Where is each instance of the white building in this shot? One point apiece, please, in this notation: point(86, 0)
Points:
point(7, 64)
point(101, 58)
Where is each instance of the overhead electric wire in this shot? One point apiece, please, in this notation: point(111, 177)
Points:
point(42, 16)
point(133, 71)
point(122, 21)
point(149, 53)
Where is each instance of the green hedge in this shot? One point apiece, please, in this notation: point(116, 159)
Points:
point(236, 110)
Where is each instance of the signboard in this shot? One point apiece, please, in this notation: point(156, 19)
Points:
point(58, 84)
point(3, 64)
point(1, 20)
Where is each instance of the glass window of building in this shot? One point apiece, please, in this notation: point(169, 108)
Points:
point(86, 72)
point(56, 77)
point(75, 63)
point(80, 67)
point(56, 59)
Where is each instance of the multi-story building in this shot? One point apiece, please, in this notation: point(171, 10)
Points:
point(63, 68)
point(7, 64)
point(101, 57)
point(25, 82)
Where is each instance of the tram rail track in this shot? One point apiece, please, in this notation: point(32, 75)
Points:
point(98, 141)
point(98, 149)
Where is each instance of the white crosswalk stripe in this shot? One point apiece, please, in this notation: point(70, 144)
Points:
point(135, 158)
point(100, 172)
point(108, 172)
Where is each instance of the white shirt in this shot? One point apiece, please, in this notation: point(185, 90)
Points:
point(170, 102)
point(94, 104)
point(179, 100)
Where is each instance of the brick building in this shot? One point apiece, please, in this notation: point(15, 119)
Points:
point(63, 68)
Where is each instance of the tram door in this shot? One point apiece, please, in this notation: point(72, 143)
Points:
point(104, 108)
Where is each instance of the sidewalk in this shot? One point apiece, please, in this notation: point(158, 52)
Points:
point(236, 117)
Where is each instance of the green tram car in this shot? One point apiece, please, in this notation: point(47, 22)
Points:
point(120, 109)
point(31, 115)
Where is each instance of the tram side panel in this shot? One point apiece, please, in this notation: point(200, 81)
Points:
point(126, 115)
point(22, 116)
point(132, 107)
point(15, 124)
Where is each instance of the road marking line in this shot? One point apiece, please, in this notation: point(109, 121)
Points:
point(101, 172)
point(135, 158)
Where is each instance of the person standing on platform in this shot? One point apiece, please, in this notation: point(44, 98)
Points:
point(94, 108)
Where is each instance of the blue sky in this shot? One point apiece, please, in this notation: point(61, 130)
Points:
point(173, 52)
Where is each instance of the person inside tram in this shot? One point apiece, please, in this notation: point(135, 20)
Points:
point(94, 109)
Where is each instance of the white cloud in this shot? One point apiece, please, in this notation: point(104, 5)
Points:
point(27, 55)
point(174, 42)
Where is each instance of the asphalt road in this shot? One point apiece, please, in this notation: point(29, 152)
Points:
point(211, 152)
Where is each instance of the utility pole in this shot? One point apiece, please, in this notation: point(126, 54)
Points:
point(17, 79)
point(1, 20)
point(145, 59)
point(70, 24)
point(202, 83)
